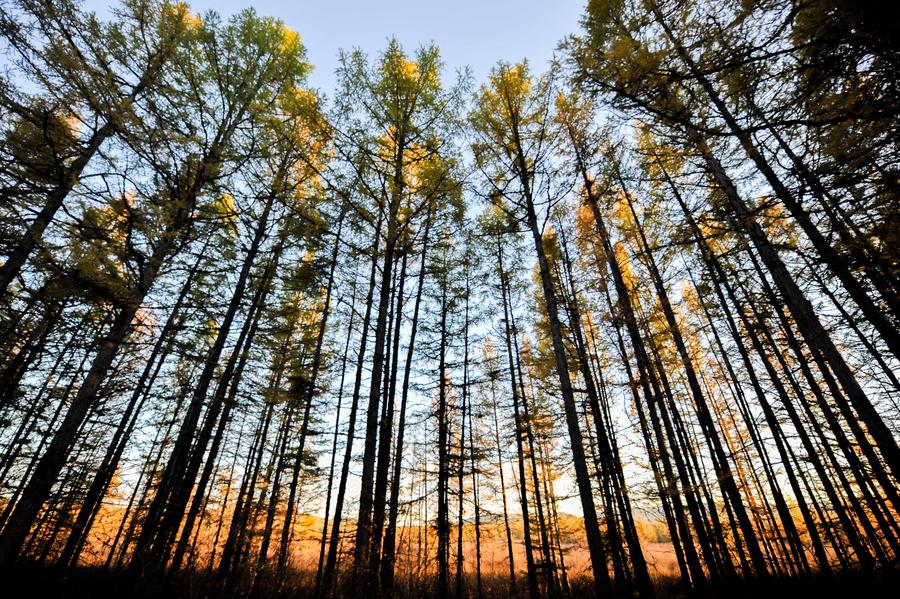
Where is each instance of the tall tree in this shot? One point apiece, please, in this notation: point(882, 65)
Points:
point(511, 118)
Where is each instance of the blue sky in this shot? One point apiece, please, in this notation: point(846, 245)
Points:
point(476, 33)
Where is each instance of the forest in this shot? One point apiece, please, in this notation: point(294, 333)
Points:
point(626, 324)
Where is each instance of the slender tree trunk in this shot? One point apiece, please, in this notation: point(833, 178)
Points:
point(443, 427)
point(611, 468)
point(669, 486)
point(477, 505)
point(334, 446)
point(361, 553)
point(808, 323)
point(385, 438)
point(500, 468)
point(47, 470)
point(228, 383)
point(328, 576)
point(533, 590)
point(723, 468)
point(761, 396)
point(91, 503)
point(172, 494)
point(582, 476)
point(390, 535)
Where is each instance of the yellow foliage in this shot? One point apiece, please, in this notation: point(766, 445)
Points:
point(622, 257)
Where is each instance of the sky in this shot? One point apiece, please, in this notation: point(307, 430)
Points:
point(474, 33)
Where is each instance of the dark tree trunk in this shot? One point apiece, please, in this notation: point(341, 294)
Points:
point(329, 573)
point(390, 535)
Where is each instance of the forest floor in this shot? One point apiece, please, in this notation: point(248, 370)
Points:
point(30, 580)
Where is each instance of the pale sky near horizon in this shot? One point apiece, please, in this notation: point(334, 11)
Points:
point(474, 33)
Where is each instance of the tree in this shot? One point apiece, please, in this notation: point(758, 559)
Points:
point(512, 121)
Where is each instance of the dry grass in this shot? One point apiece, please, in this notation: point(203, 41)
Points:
point(415, 568)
